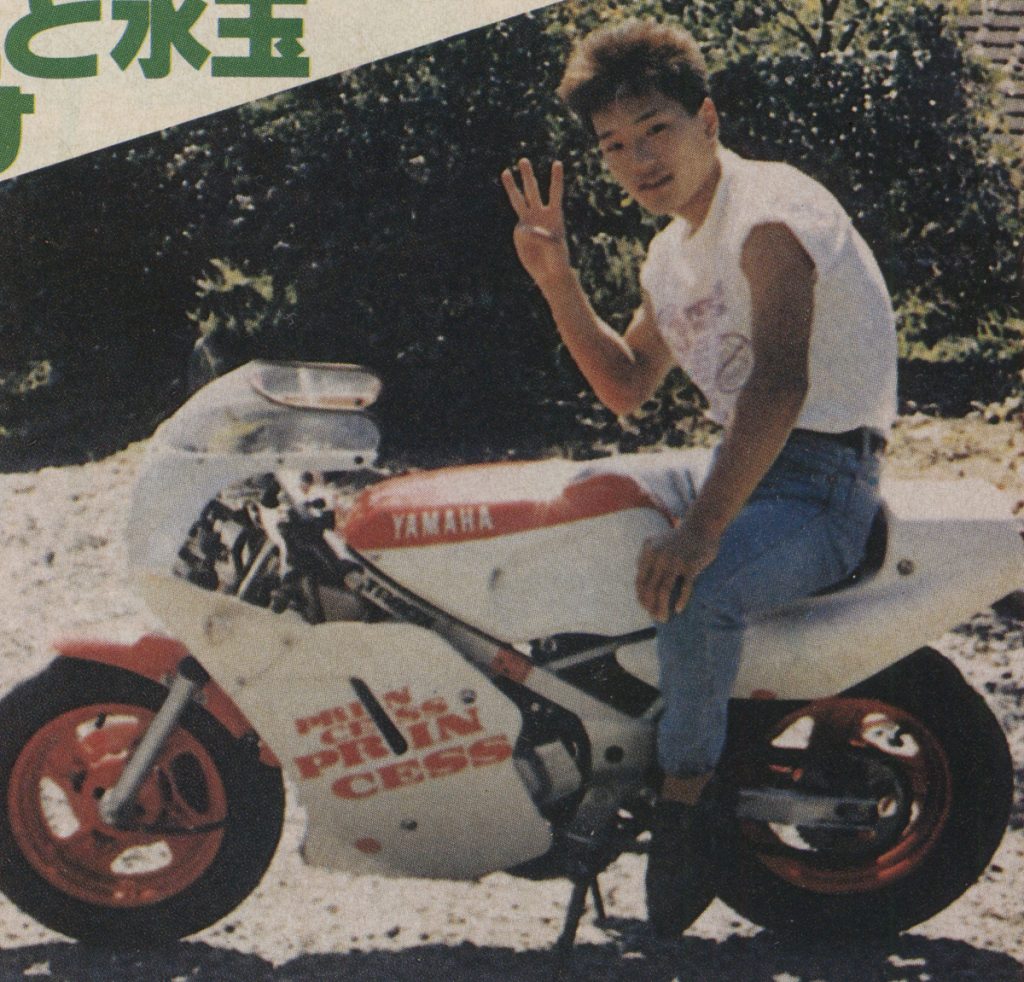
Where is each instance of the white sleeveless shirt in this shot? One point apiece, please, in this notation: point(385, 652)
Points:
point(702, 303)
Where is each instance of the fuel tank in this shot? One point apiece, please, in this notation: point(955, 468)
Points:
point(523, 550)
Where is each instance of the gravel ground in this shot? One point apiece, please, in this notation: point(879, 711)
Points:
point(64, 575)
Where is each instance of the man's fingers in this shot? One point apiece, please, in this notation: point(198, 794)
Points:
point(658, 600)
point(515, 196)
point(540, 231)
point(667, 569)
point(663, 582)
point(681, 590)
point(531, 189)
point(529, 199)
point(557, 185)
point(670, 595)
point(657, 575)
point(644, 570)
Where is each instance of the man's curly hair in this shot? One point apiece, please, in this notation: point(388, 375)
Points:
point(631, 58)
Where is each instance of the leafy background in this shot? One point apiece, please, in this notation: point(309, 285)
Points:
point(360, 218)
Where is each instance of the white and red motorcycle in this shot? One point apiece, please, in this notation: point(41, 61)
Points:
point(453, 670)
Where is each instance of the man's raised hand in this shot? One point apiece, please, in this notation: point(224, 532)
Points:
point(539, 236)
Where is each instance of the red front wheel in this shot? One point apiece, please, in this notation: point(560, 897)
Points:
point(204, 827)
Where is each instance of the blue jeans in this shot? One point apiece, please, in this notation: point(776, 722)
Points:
point(804, 528)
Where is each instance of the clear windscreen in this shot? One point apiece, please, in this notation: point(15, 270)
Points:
point(232, 415)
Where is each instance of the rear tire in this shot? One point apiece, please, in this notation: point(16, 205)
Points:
point(935, 745)
point(207, 821)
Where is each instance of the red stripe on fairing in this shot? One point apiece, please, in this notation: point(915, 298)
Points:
point(468, 503)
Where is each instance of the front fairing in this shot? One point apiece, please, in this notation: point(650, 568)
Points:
point(230, 431)
point(443, 797)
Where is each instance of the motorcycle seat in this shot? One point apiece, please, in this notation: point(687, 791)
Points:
point(874, 556)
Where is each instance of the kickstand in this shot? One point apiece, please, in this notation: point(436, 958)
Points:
point(573, 914)
point(595, 894)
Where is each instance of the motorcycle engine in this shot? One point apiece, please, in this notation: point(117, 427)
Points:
point(261, 540)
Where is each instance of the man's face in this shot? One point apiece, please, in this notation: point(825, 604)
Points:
point(664, 158)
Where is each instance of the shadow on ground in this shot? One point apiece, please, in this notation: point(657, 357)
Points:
point(763, 958)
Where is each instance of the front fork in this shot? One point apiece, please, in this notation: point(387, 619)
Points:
point(116, 804)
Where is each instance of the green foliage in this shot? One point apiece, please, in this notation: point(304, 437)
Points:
point(361, 218)
point(954, 375)
point(99, 256)
point(894, 130)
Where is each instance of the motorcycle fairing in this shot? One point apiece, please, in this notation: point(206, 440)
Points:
point(436, 794)
point(952, 547)
point(484, 501)
point(157, 657)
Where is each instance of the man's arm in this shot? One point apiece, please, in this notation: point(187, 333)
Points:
point(781, 277)
point(623, 370)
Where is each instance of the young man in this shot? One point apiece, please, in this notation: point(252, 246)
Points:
point(763, 292)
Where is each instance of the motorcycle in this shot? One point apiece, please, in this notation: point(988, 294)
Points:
point(453, 671)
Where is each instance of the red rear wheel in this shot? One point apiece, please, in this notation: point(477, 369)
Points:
point(926, 747)
point(891, 757)
point(204, 826)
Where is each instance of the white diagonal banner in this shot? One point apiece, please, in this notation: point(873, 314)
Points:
point(79, 75)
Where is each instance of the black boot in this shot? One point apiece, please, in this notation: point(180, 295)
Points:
point(680, 865)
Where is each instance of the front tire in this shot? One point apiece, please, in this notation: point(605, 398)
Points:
point(206, 824)
point(922, 741)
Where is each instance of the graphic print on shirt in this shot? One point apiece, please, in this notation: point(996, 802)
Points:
point(735, 362)
point(715, 361)
point(682, 326)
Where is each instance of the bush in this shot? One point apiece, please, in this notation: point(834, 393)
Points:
point(361, 218)
point(99, 263)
